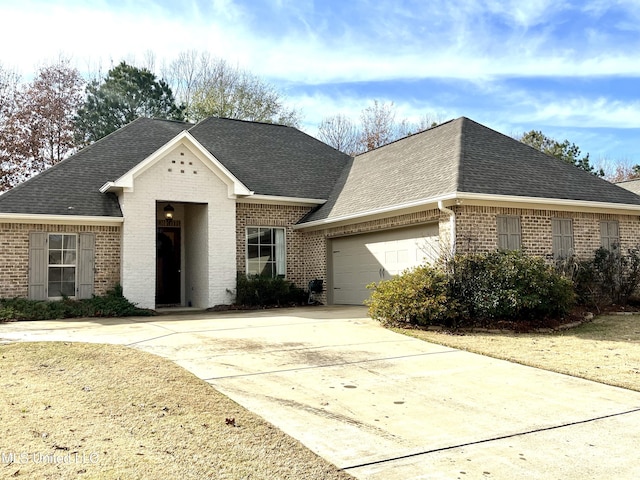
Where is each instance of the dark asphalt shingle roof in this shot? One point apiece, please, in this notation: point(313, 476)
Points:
point(76, 181)
point(459, 156)
point(268, 159)
point(272, 159)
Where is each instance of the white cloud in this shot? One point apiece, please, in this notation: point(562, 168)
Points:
point(462, 40)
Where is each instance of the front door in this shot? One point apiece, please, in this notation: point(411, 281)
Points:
point(168, 266)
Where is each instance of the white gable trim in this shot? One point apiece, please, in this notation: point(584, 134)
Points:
point(126, 181)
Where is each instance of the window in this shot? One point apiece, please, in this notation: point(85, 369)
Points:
point(562, 232)
point(266, 251)
point(62, 265)
point(509, 237)
point(609, 236)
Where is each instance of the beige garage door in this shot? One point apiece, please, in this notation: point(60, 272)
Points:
point(358, 260)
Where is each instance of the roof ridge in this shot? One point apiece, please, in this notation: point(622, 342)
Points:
point(458, 174)
point(255, 122)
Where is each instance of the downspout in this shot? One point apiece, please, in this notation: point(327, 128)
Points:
point(452, 225)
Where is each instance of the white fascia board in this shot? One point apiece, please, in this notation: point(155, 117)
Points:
point(363, 216)
point(548, 203)
point(461, 198)
point(108, 187)
point(280, 200)
point(59, 219)
point(125, 182)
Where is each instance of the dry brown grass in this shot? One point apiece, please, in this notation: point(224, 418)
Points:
point(72, 410)
point(605, 350)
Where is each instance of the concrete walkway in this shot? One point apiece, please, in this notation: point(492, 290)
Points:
point(385, 406)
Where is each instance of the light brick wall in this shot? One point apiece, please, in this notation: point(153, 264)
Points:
point(262, 215)
point(14, 261)
point(477, 229)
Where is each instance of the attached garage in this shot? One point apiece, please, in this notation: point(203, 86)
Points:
point(359, 260)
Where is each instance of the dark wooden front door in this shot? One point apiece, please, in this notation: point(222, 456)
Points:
point(168, 266)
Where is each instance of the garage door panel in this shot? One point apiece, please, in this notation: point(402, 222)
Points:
point(362, 259)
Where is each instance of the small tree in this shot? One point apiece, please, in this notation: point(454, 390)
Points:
point(339, 132)
point(37, 122)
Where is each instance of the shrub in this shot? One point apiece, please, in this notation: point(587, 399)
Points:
point(113, 304)
point(610, 277)
point(263, 291)
point(417, 296)
point(474, 289)
point(508, 285)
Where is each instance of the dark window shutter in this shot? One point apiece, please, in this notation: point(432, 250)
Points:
point(86, 264)
point(37, 266)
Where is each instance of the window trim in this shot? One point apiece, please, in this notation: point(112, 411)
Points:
point(282, 248)
point(63, 265)
point(509, 235)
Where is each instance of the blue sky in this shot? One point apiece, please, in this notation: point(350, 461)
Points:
point(568, 68)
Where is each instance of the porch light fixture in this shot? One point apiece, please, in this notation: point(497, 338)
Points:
point(168, 211)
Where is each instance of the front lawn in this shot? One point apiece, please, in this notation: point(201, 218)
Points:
point(605, 350)
point(73, 410)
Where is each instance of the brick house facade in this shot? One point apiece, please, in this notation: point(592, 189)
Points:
point(14, 261)
point(174, 211)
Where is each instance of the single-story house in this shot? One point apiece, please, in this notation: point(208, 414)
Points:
point(174, 211)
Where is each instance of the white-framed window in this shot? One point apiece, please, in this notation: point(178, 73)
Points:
point(61, 267)
point(609, 234)
point(562, 232)
point(509, 236)
point(266, 251)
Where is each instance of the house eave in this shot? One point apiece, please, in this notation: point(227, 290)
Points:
point(281, 200)
point(546, 203)
point(477, 199)
point(31, 218)
point(376, 213)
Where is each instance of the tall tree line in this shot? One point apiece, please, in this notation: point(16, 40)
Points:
point(58, 112)
point(49, 118)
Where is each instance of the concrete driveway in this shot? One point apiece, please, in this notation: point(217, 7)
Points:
point(385, 406)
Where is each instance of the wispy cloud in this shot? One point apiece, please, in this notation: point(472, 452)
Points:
point(480, 58)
